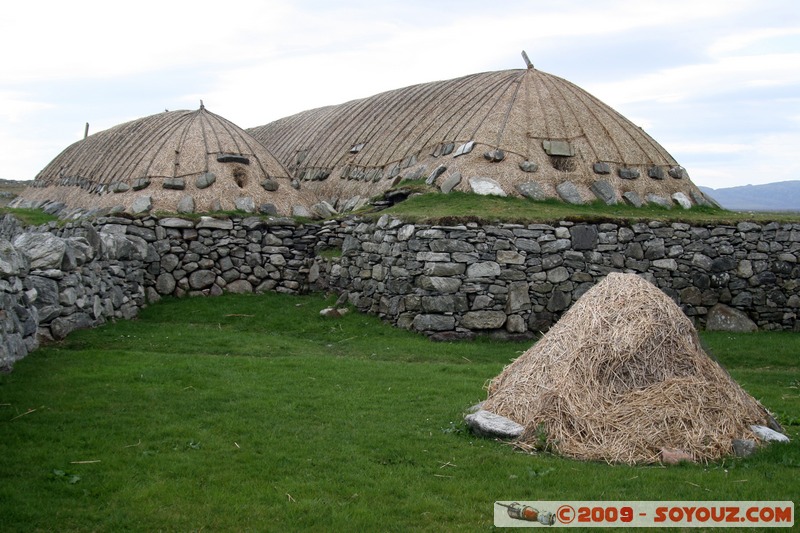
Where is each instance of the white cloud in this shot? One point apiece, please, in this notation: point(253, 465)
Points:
point(253, 61)
point(15, 107)
point(709, 147)
point(740, 41)
point(98, 39)
point(702, 81)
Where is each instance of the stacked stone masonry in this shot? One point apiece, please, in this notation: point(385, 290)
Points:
point(515, 279)
point(444, 281)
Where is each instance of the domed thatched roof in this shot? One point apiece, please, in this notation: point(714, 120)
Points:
point(196, 157)
point(516, 127)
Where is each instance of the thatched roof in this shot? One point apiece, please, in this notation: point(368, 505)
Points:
point(620, 377)
point(168, 157)
point(526, 126)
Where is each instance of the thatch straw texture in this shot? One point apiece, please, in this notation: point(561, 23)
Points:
point(621, 376)
point(102, 170)
point(363, 144)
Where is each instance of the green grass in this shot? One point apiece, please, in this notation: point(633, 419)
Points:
point(29, 217)
point(254, 413)
point(459, 207)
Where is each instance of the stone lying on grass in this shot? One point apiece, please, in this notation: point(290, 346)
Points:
point(487, 424)
point(334, 312)
point(743, 447)
point(766, 434)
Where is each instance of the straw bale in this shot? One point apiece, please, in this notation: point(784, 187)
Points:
point(621, 376)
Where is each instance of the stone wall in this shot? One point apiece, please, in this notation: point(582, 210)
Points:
point(444, 281)
point(515, 279)
point(54, 280)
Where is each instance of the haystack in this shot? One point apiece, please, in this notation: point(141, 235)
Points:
point(620, 377)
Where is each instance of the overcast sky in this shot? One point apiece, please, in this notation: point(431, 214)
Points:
point(716, 82)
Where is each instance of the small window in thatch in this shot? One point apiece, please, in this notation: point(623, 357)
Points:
point(357, 148)
point(563, 163)
point(239, 176)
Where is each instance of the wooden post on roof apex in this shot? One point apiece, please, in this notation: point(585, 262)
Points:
point(527, 60)
point(86, 131)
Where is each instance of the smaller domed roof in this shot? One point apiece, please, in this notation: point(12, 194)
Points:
point(193, 158)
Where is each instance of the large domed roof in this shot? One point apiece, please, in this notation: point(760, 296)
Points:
point(196, 157)
point(528, 131)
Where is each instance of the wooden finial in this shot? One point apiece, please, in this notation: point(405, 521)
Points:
point(86, 131)
point(527, 60)
point(201, 105)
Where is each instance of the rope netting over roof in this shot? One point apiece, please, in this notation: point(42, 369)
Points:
point(167, 156)
point(513, 126)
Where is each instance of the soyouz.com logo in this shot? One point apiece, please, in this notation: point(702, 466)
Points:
point(643, 514)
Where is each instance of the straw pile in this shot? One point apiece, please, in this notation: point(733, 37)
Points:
point(621, 376)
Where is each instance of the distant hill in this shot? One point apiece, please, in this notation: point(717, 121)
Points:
point(780, 196)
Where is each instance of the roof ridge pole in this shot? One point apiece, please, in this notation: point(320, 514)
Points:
point(527, 60)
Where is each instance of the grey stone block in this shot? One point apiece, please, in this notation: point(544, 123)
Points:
point(532, 190)
point(628, 173)
point(569, 193)
point(205, 180)
point(176, 184)
point(601, 167)
point(450, 182)
point(269, 184)
point(604, 191)
point(632, 198)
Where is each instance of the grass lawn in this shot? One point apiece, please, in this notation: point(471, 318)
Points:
point(451, 208)
point(254, 413)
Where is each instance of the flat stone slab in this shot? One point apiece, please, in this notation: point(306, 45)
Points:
point(488, 424)
point(451, 182)
point(214, 223)
point(486, 187)
point(769, 435)
point(569, 193)
point(532, 190)
point(175, 223)
point(682, 200)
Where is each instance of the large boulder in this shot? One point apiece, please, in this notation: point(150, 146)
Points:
point(724, 318)
point(43, 250)
point(12, 262)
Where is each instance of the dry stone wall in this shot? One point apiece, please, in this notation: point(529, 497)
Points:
point(54, 280)
point(517, 279)
point(444, 281)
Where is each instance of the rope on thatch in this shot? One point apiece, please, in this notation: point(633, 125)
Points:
point(621, 376)
point(513, 111)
